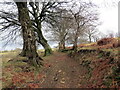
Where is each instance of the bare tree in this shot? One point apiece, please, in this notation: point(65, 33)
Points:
point(110, 34)
point(28, 34)
point(10, 28)
point(49, 10)
point(117, 35)
point(91, 33)
point(60, 29)
point(46, 13)
point(83, 17)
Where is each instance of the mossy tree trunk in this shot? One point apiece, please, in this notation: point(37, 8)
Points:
point(37, 28)
point(62, 41)
point(43, 41)
point(62, 44)
point(29, 45)
point(25, 45)
point(75, 44)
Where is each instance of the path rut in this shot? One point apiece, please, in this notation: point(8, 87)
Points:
point(62, 71)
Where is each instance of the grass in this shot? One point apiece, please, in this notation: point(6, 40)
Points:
point(87, 48)
point(12, 69)
point(114, 51)
point(18, 73)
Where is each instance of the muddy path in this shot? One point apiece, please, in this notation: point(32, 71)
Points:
point(61, 71)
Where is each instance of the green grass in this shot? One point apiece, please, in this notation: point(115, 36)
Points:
point(113, 51)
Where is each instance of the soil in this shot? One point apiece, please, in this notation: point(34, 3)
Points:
point(61, 71)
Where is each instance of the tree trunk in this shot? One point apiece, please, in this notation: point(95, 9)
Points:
point(25, 45)
point(43, 41)
point(46, 46)
point(75, 45)
point(62, 42)
point(29, 45)
point(90, 39)
point(37, 28)
point(62, 45)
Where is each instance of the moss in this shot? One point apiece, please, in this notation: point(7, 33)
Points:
point(100, 55)
point(48, 52)
point(107, 82)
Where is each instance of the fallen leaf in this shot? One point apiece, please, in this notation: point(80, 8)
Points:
point(60, 71)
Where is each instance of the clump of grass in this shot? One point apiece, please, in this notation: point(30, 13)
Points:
point(11, 70)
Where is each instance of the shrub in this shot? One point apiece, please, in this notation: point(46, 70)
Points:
point(106, 41)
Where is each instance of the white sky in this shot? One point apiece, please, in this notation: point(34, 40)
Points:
point(109, 18)
point(108, 10)
point(108, 15)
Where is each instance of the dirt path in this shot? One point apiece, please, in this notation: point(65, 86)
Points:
point(62, 72)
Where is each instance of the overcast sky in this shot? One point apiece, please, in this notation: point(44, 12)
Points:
point(108, 10)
